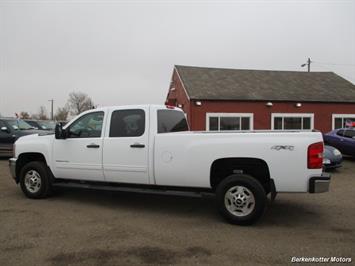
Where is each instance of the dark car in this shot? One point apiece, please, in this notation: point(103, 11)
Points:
point(332, 158)
point(41, 124)
point(10, 130)
point(343, 139)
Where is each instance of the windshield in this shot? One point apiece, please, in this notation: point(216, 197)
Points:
point(19, 124)
point(47, 124)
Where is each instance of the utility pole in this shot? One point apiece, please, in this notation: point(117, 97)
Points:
point(52, 101)
point(308, 64)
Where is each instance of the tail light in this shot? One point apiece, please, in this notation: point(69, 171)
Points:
point(315, 155)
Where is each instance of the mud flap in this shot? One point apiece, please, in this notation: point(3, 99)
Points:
point(273, 192)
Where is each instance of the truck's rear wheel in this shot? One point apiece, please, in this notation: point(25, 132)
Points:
point(35, 180)
point(241, 199)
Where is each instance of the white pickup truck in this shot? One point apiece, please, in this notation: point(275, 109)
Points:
point(151, 148)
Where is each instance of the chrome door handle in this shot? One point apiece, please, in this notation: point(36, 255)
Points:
point(93, 145)
point(137, 145)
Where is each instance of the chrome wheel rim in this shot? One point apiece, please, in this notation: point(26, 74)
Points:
point(33, 181)
point(239, 201)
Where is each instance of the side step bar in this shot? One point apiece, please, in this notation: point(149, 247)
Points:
point(143, 190)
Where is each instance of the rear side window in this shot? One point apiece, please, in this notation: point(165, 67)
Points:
point(127, 123)
point(171, 121)
point(349, 133)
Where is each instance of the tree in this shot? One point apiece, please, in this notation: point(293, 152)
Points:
point(25, 115)
point(42, 114)
point(62, 114)
point(79, 102)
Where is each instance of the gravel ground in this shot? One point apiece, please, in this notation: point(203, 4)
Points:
point(87, 227)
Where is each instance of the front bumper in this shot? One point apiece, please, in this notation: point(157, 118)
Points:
point(12, 166)
point(319, 184)
point(332, 166)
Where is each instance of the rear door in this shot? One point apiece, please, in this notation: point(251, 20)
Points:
point(349, 142)
point(337, 140)
point(125, 154)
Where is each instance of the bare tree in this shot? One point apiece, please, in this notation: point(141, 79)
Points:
point(42, 114)
point(62, 114)
point(25, 115)
point(79, 102)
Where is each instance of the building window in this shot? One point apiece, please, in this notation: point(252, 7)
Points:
point(229, 121)
point(288, 121)
point(340, 120)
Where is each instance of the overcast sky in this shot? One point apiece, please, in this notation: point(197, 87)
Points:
point(123, 52)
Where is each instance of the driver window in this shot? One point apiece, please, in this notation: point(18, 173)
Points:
point(2, 124)
point(87, 126)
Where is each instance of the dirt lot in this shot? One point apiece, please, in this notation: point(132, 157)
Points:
point(85, 227)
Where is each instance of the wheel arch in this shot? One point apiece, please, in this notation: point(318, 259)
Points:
point(255, 167)
point(27, 157)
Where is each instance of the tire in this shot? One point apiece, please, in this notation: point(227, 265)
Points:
point(241, 199)
point(35, 180)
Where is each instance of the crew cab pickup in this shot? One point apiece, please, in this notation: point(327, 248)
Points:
point(150, 148)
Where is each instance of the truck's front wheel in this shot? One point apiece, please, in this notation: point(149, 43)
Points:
point(241, 199)
point(35, 180)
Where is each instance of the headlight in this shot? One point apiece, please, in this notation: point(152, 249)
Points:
point(326, 161)
point(336, 152)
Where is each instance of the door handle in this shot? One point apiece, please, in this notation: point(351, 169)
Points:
point(93, 145)
point(137, 145)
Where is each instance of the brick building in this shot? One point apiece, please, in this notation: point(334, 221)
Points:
point(231, 99)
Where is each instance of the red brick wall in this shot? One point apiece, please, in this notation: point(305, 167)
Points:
point(262, 114)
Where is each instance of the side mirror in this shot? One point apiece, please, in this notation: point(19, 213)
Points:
point(5, 129)
point(59, 131)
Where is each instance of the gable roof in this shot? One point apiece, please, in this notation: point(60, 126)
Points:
point(202, 83)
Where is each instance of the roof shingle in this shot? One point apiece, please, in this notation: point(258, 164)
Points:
point(203, 83)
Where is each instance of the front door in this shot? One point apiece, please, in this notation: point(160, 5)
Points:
point(125, 156)
point(7, 138)
point(79, 156)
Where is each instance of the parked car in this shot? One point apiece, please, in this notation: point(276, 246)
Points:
point(343, 139)
point(332, 158)
point(150, 148)
point(47, 125)
point(10, 130)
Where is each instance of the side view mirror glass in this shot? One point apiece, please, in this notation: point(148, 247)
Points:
point(5, 129)
point(59, 131)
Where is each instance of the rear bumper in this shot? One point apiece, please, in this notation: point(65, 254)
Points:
point(12, 166)
point(319, 184)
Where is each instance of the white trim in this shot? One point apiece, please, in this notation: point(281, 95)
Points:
point(273, 115)
point(249, 115)
point(182, 83)
point(340, 116)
